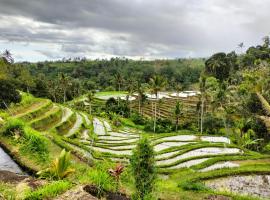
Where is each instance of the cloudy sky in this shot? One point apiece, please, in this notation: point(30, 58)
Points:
point(36, 30)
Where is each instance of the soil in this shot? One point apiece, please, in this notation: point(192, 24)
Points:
point(10, 177)
point(92, 189)
point(116, 196)
point(217, 197)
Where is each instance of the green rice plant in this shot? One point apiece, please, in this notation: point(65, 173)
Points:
point(60, 167)
point(49, 191)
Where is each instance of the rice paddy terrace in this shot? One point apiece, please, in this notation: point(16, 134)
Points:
point(88, 137)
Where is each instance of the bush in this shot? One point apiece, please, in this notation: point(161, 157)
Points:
point(194, 186)
point(8, 93)
point(212, 124)
point(162, 126)
point(143, 168)
point(102, 180)
point(137, 119)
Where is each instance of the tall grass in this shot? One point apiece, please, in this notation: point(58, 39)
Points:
point(49, 191)
point(31, 141)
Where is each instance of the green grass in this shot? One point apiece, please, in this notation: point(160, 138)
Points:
point(49, 191)
point(7, 191)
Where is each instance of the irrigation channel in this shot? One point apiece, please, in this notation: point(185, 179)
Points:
point(7, 164)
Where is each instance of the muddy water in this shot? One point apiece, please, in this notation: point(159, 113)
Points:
point(6, 163)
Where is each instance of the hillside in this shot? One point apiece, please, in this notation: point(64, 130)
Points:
point(185, 154)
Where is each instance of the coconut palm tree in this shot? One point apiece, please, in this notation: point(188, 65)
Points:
point(177, 112)
point(202, 99)
point(140, 89)
point(119, 80)
point(156, 84)
point(64, 83)
point(90, 99)
point(7, 56)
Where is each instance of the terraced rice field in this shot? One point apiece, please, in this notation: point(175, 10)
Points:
point(95, 138)
point(105, 142)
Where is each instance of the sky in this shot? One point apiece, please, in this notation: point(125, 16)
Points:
point(37, 30)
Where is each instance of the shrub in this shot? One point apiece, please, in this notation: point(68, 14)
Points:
point(102, 180)
point(195, 186)
point(162, 126)
point(137, 119)
point(60, 167)
point(8, 93)
point(212, 124)
point(143, 168)
point(48, 191)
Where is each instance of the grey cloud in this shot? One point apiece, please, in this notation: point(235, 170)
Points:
point(162, 28)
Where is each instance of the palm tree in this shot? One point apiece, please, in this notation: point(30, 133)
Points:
point(202, 99)
point(7, 56)
point(241, 46)
point(130, 88)
point(140, 89)
point(178, 88)
point(118, 80)
point(90, 99)
point(156, 84)
point(64, 83)
point(177, 113)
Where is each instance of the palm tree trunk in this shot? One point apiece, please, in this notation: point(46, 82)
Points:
point(90, 106)
point(139, 106)
point(64, 96)
point(202, 116)
point(176, 124)
point(155, 119)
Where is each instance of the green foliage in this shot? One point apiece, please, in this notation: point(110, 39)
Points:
point(162, 126)
point(31, 140)
point(102, 180)
point(195, 186)
point(137, 119)
point(60, 167)
point(212, 124)
point(49, 191)
point(13, 126)
point(143, 168)
point(34, 141)
point(8, 93)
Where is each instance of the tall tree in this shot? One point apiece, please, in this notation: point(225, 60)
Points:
point(156, 84)
point(90, 99)
point(217, 65)
point(119, 80)
point(64, 83)
point(202, 99)
point(177, 113)
point(7, 56)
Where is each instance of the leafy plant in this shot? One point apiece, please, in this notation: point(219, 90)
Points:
point(143, 168)
point(60, 167)
point(102, 180)
point(116, 173)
